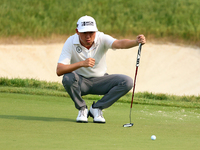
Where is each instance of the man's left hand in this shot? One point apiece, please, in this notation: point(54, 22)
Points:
point(141, 39)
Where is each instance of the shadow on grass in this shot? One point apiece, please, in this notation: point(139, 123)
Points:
point(36, 118)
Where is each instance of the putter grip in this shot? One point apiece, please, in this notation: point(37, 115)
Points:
point(138, 55)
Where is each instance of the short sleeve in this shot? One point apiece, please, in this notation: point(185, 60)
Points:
point(65, 56)
point(108, 41)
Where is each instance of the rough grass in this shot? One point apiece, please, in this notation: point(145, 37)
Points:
point(173, 19)
point(37, 87)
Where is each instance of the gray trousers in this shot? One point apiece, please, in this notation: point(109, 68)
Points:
point(111, 86)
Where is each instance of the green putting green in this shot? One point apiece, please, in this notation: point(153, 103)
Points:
point(47, 122)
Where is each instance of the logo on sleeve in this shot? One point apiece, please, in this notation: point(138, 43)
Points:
point(78, 49)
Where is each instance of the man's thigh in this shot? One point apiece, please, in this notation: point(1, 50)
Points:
point(102, 85)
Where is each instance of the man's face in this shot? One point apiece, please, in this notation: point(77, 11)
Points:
point(86, 38)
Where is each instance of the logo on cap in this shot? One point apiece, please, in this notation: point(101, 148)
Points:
point(87, 23)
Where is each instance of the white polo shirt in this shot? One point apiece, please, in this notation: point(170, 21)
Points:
point(73, 52)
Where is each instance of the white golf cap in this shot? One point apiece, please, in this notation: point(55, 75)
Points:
point(86, 24)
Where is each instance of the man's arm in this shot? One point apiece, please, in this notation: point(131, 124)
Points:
point(126, 43)
point(63, 69)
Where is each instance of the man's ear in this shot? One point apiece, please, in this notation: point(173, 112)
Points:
point(77, 31)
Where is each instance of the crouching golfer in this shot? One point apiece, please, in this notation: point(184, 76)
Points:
point(83, 64)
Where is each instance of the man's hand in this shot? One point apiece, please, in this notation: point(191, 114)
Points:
point(141, 39)
point(90, 62)
point(62, 69)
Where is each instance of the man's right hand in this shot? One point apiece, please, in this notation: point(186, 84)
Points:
point(89, 62)
point(62, 69)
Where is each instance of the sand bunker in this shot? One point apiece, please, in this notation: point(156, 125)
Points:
point(164, 68)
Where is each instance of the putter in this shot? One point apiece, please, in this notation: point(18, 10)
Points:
point(137, 65)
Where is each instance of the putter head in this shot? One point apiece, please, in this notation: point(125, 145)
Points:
point(128, 125)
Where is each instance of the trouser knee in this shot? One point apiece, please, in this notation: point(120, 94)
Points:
point(127, 83)
point(69, 79)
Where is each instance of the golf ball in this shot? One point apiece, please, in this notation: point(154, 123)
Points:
point(153, 137)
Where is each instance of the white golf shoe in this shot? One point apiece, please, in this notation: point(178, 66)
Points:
point(97, 115)
point(82, 116)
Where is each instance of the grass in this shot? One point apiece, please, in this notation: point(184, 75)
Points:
point(18, 82)
point(37, 87)
point(48, 122)
point(40, 115)
point(154, 18)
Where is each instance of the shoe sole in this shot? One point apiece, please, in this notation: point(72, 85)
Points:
point(91, 115)
point(98, 122)
point(82, 121)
